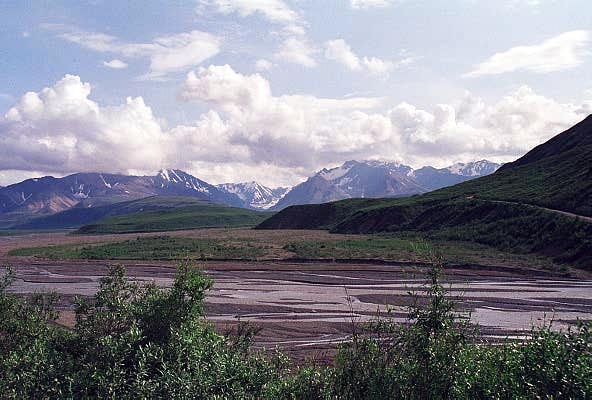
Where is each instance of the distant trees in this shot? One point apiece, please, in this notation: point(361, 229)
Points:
point(142, 341)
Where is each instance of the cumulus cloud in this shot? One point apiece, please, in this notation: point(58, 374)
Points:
point(365, 4)
point(559, 53)
point(338, 50)
point(297, 50)
point(60, 129)
point(309, 132)
point(470, 129)
point(167, 54)
point(115, 64)
point(249, 132)
point(293, 130)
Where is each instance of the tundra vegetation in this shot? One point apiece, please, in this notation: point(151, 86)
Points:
point(144, 341)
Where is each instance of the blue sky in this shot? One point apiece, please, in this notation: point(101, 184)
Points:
point(273, 90)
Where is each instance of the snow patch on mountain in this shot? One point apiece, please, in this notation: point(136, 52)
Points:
point(254, 195)
point(477, 168)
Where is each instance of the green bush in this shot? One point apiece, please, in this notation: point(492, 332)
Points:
point(437, 354)
point(129, 341)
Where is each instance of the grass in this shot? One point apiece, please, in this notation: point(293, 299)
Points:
point(392, 247)
point(148, 248)
point(516, 228)
point(181, 218)
point(404, 247)
point(150, 214)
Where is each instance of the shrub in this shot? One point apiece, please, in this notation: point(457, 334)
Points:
point(129, 341)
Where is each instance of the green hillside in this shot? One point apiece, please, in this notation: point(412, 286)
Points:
point(204, 215)
point(508, 209)
point(79, 216)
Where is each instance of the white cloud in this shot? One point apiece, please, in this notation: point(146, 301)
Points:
point(513, 4)
point(340, 51)
point(470, 129)
point(294, 47)
point(115, 64)
point(365, 4)
point(377, 66)
point(8, 177)
point(167, 54)
point(290, 131)
point(250, 133)
point(60, 129)
point(560, 53)
point(273, 10)
point(309, 133)
point(298, 51)
point(263, 65)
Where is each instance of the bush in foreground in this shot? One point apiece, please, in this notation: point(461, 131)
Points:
point(134, 341)
point(129, 341)
point(438, 355)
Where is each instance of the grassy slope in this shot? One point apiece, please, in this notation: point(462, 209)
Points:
point(147, 248)
point(400, 247)
point(188, 217)
point(470, 211)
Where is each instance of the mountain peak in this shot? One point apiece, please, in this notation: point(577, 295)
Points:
point(174, 175)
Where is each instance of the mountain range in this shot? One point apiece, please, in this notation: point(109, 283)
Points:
point(40, 197)
point(374, 179)
point(48, 195)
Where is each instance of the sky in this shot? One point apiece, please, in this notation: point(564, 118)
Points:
point(275, 90)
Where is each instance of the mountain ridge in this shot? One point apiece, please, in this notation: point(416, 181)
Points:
point(38, 197)
point(375, 179)
point(49, 195)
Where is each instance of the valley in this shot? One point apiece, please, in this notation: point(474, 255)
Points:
point(285, 200)
point(298, 286)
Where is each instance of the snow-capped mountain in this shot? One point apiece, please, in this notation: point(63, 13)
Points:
point(174, 182)
point(432, 178)
point(254, 195)
point(49, 195)
point(476, 168)
point(353, 179)
point(379, 179)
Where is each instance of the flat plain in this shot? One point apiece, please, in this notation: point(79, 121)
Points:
point(304, 301)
